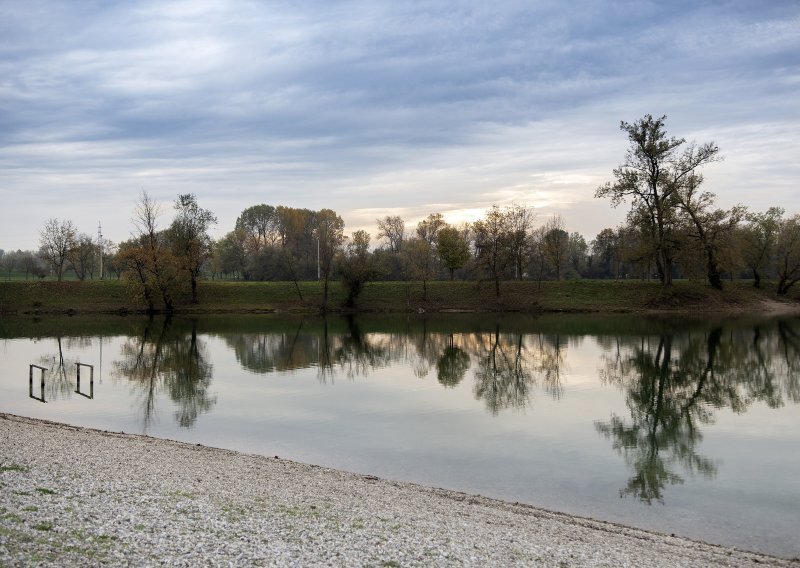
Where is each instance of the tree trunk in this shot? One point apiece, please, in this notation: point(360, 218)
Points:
point(756, 279)
point(714, 276)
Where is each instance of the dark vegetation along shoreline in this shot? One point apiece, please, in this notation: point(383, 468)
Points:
point(580, 296)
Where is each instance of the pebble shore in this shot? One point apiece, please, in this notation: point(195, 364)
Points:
point(78, 497)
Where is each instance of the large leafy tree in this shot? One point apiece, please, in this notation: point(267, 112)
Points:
point(656, 168)
point(453, 249)
point(261, 224)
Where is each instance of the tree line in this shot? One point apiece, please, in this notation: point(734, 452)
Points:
point(673, 230)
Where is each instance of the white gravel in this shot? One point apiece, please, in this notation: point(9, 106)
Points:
point(76, 497)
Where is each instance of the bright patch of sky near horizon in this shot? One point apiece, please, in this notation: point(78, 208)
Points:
point(375, 108)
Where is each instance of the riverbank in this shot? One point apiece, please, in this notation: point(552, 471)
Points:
point(603, 296)
point(77, 497)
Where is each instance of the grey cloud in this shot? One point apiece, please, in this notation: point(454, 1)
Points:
point(288, 101)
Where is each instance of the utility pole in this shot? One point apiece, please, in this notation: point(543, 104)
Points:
point(100, 246)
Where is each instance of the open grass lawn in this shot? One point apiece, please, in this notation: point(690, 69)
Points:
point(566, 296)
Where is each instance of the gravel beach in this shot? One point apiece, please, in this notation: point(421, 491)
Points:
point(76, 497)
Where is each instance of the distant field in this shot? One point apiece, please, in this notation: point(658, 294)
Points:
point(567, 296)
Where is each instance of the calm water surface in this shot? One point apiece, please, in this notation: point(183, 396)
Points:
point(688, 427)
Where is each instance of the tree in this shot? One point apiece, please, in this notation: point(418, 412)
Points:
point(711, 228)
point(520, 221)
point(56, 239)
point(787, 254)
point(453, 249)
point(606, 254)
point(758, 238)
point(392, 228)
point(654, 171)
point(261, 226)
point(8, 262)
point(420, 262)
point(576, 254)
point(299, 236)
point(82, 256)
point(492, 244)
point(429, 228)
point(231, 253)
point(330, 234)
point(149, 258)
point(189, 235)
point(356, 265)
point(30, 263)
point(555, 245)
point(131, 261)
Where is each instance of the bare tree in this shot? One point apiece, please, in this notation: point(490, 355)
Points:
point(56, 240)
point(82, 256)
point(520, 221)
point(492, 244)
point(555, 245)
point(392, 228)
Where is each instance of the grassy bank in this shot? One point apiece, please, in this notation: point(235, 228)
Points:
point(112, 296)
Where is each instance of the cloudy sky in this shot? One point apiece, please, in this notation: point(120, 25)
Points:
point(381, 107)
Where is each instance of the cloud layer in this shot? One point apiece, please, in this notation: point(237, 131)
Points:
point(373, 108)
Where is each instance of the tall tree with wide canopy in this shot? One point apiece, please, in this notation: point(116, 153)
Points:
point(655, 169)
point(261, 225)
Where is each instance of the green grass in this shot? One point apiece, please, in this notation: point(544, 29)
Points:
point(12, 467)
point(114, 296)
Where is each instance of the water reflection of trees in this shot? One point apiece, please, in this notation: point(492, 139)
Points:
point(171, 358)
point(510, 365)
point(673, 384)
point(506, 366)
point(263, 352)
point(58, 366)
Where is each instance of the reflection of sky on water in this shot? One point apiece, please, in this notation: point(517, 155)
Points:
point(393, 418)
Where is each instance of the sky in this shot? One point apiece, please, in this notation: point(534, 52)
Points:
point(382, 107)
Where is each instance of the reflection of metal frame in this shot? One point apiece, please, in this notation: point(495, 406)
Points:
point(91, 380)
point(30, 383)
